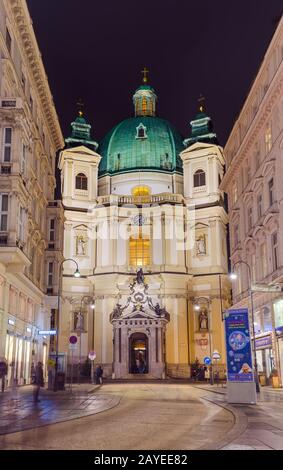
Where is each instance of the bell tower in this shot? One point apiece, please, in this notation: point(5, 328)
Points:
point(203, 162)
point(79, 163)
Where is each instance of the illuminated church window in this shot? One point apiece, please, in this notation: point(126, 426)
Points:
point(144, 106)
point(81, 181)
point(139, 251)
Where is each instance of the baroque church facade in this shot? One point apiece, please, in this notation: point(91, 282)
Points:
point(146, 222)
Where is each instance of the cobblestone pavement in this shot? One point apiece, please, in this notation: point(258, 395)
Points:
point(264, 421)
point(149, 416)
point(18, 412)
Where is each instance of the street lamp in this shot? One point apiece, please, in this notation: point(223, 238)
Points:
point(77, 274)
point(233, 276)
point(197, 308)
point(92, 306)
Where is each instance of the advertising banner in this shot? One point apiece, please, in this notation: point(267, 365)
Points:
point(238, 346)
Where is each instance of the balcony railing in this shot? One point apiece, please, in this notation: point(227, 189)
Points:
point(139, 200)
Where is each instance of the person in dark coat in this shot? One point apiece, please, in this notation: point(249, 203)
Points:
point(38, 381)
point(32, 373)
point(99, 374)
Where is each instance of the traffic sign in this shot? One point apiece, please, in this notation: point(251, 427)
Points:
point(207, 361)
point(73, 339)
point(216, 355)
point(73, 347)
point(92, 355)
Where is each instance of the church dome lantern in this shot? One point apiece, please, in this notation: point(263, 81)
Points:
point(144, 142)
point(145, 98)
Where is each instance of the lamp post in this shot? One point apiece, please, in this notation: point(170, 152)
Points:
point(197, 308)
point(77, 274)
point(233, 277)
point(92, 305)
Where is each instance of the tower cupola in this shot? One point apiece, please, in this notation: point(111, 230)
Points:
point(145, 98)
point(81, 131)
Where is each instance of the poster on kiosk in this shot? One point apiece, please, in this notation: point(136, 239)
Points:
point(241, 386)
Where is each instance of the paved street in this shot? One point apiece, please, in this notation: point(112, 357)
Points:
point(139, 416)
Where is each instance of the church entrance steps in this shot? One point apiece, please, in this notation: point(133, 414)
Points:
point(140, 377)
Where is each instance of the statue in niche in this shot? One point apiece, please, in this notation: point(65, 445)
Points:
point(203, 320)
point(201, 245)
point(81, 245)
point(78, 321)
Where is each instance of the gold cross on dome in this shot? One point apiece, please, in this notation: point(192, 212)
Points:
point(145, 72)
point(201, 101)
point(80, 105)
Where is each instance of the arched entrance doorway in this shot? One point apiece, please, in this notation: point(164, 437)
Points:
point(138, 352)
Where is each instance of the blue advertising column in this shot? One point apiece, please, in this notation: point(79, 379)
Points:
point(241, 387)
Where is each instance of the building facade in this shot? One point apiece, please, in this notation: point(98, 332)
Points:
point(255, 198)
point(30, 219)
point(146, 222)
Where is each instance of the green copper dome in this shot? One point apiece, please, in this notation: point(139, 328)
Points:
point(141, 143)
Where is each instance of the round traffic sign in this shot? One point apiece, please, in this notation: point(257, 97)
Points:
point(216, 355)
point(207, 361)
point(92, 355)
point(73, 339)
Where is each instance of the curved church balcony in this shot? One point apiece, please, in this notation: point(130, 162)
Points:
point(139, 200)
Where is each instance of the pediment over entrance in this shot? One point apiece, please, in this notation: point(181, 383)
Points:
point(139, 303)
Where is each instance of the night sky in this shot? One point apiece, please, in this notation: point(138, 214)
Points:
point(97, 49)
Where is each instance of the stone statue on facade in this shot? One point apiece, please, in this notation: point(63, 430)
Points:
point(140, 276)
point(81, 245)
point(200, 245)
point(117, 312)
point(78, 321)
point(203, 320)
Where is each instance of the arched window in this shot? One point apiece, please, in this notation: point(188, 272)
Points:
point(81, 181)
point(141, 132)
point(139, 251)
point(144, 105)
point(199, 178)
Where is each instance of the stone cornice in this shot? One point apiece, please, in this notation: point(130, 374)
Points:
point(26, 34)
point(275, 41)
point(273, 95)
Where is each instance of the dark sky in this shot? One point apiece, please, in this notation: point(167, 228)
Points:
point(96, 50)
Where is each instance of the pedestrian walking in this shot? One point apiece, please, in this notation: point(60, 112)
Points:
point(99, 374)
point(39, 382)
point(32, 374)
point(207, 374)
point(3, 373)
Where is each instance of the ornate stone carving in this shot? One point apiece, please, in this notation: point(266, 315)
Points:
point(139, 303)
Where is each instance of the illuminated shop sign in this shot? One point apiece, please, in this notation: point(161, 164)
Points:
point(263, 342)
point(47, 332)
